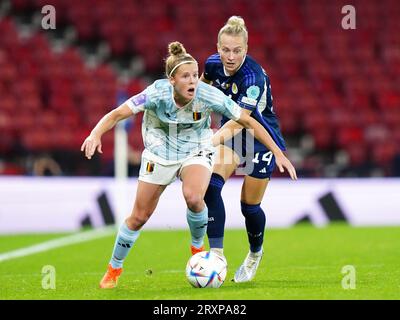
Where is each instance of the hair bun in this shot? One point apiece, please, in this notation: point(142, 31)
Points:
point(176, 48)
point(236, 21)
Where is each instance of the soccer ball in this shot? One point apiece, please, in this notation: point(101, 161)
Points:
point(206, 270)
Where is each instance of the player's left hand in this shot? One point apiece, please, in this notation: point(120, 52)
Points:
point(282, 162)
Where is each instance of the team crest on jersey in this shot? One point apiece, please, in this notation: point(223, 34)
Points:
point(253, 92)
point(234, 88)
point(197, 109)
point(150, 167)
point(196, 116)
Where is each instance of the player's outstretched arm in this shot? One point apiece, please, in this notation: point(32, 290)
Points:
point(230, 128)
point(264, 137)
point(226, 132)
point(93, 141)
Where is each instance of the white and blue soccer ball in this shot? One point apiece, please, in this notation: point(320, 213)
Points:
point(206, 270)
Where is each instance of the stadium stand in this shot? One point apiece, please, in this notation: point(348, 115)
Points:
point(336, 91)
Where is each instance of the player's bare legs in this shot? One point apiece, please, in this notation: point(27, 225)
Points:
point(226, 162)
point(253, 190)
point(147, 197)
point(195, 180)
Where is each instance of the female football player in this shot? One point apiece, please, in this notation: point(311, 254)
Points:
point(178, 143)
point(241, 78)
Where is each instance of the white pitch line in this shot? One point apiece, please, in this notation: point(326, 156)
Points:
point(59, 242)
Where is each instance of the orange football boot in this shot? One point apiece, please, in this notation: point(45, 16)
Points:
point(110, 278)
point(196, 250)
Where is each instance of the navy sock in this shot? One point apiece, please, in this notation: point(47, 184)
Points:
point(255, 225)
point(216, 211)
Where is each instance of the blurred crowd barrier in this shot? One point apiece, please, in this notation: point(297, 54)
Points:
point(69, 204)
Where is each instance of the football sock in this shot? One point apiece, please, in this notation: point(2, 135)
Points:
point(255, 225)
point(123, 243)
point(216, 211)
point(218, 251)
point(198, 225)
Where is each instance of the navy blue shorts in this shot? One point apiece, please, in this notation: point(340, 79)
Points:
point(255, 159)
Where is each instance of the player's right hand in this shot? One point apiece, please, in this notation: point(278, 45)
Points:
point(90, 145)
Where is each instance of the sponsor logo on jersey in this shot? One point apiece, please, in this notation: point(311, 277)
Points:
point(184, 126)
point(234, 88)
point(263, 170)
point(250, 101)
point(139, 99)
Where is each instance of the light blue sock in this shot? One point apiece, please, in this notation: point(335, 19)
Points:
point(198, 225)
point(123, 244)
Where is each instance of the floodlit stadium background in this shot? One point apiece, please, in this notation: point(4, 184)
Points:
point(336, 93)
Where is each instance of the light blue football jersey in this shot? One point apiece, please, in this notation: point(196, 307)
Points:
point(173, 134)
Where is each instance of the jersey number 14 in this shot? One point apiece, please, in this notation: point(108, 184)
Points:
point(266, 157)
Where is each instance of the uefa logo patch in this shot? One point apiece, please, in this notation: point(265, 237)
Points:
point(139, 99)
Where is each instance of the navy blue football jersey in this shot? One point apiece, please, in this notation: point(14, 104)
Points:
point(250, 88)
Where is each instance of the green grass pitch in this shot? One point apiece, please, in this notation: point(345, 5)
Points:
point(302, 262)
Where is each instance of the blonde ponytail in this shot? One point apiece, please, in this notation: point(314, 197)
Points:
point(234, 26)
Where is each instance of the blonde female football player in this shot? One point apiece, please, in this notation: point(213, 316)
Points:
point(240, 77)
point(178, 143)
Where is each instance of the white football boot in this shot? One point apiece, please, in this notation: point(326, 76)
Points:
point(248, 269)
point(219, 252)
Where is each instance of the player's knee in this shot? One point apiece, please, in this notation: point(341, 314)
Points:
point(194, 200)
point(248, 209)
point(135, 222)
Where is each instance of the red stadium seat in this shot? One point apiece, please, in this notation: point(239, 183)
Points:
point(323, 138)
point(357, 153)
point(389, 100)
point(349, 136)
point(383, 153)
point(37, 139)
point(341, 87)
